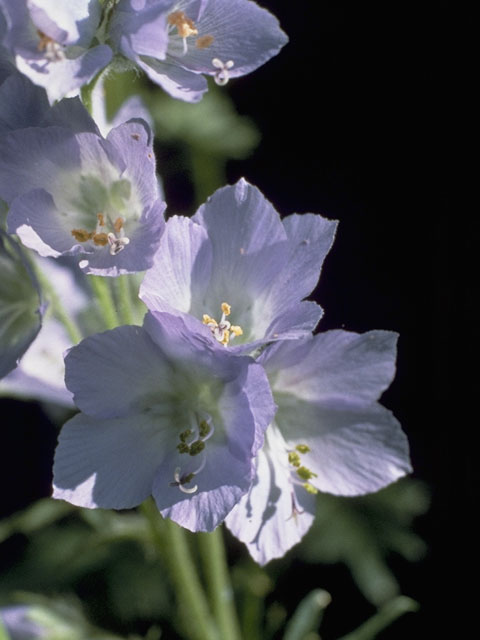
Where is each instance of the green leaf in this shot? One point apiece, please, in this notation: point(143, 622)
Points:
point(362, 532)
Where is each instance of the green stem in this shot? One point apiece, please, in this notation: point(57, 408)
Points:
point(104, 297)
point(172, 545)
point(57, 307)
point(218, 583)
point(384, 617)
point(124, 302)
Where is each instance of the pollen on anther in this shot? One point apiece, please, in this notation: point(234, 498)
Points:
point(203, 42)
point(226, 308)
point(100, 239)
point(185, 26)
point(196, 447)
point(118, 225)
point(81, 235)
point(101, 219)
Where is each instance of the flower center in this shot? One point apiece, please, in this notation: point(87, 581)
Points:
point(186, 28)
point(51, 49)
point(304, 474)
point(116, 238)
point(192, 443)
point(223, 331)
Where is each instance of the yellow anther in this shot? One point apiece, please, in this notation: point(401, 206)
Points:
point(185, 26)
point(196, 447)
point(204, 42)
point(204, 429)
point(208, 320)
point(226, 308)
point(236, 330)
point(226, 338)
point(310, 488)
point(305, 474)
point(294, 458)
point(302, 448)
point(101, 219)
point(118, 225)
point(101, 239)
point(81, 235)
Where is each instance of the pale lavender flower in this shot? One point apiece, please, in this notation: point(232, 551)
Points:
point(177, 42)
point(329, 434)
point(21, 306)
point(241, 270)
point(50, 42)
point(80, 194)
point(164, 411)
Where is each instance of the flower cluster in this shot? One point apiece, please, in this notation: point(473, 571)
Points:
point(221, 403)
point(176, 42)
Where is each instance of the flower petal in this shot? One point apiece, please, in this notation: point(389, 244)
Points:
point(355, 447)
point(275, 514)
point(107, 463)
point(334, 364)
point(111, 373)
point(181, 272)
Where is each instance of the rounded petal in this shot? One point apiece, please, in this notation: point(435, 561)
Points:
point(241, 30)
point(182, 268)
point(334, 364)
point(110, 374)
point(107, 463)
point(355, 448)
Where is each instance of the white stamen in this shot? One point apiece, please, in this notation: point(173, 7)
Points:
point(222, 76)
point(117, 244)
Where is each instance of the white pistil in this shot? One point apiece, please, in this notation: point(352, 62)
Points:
point(222, 76)
point(117, 244)
point(222, 331)
point(180, 481)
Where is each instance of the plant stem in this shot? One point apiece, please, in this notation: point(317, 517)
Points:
point(218, 583)
point(172, 545)
point(105, 301)
point(124, 303)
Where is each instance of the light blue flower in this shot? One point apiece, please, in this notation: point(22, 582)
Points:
point(237, 267)
point(329, 434)
point(51, 42)
point(77, 193)
point(177, 42)
point(164, 411)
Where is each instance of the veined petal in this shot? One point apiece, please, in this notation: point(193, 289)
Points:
point(110, 373)
point(241, 31)
point(182, 268)
point(334, 364)
point(275, 514)
point(107, 463)
point(354, 447)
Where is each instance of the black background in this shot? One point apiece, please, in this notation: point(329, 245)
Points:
point(357, 117)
